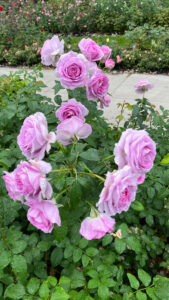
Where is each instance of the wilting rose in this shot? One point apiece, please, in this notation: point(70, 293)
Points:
point(51, 49)
point(70, 109)
point(34, 138)
point(91, 50)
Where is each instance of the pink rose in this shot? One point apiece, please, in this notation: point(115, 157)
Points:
point(110, 64)
point(119, 59)
point(72, 129)
point(118, 192)
point(73, 70)
point(143, 86)
point(107, 52)
point(10, 183)
point(50, 51)
point(97, 86)
point(96, 227)
point(29, 181)
point(141, 179)
point(34, 138)
point(136, 149)
point(70, 109)
point(105, 101)
point(91, 50)
point(37, 19)
point(43, 215)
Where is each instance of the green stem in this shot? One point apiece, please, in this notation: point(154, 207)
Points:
point(92, 175)
point(108, 157)
point(60, 170)
point(142, 289)
point(62, 192)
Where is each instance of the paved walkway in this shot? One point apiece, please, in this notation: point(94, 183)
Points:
point(121, 88)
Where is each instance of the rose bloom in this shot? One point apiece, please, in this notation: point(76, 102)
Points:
point(91, 50)
point(119, 59)
point(107, 52)
point(136, 149)
point(10, 183)
point(118, 192)
point(72, 129)
point(43, 215)
point(97, 86)
point(143, 86)
point(110, 64)
point(73, 70)
point(50, 51)
point(34, 138)
point(96, 227)
point(1, 8)
point(105, 101)
point(70, 109)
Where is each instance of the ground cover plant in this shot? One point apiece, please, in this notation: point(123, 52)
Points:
point(57, 175)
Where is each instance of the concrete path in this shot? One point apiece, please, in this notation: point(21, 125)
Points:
point(121, 88)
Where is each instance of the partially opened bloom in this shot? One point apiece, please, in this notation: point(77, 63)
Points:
point(143, 86)
point(136, 149)
point(73, 70)
point(97, 86)
point(118, 192)
point(91, 50)
point(50, 51)
point(119, 59)
point(107, 52)
point(72, 129)
point(70, 109)
point(97, 226)
point(105, 101)
point(110, 64)
point(43, 215)
point(34, 138)
point(10, 183)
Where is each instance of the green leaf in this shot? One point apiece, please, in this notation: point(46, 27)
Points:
point(77, 254)
point(92, 273)
point(92, 251)
point(60, 232)
point(108, 282)
point(59, 294)
point(85, 260)
point(4, 259)
point(44, 291)
point(18, 246)
point(120, 245)
point(151, 293)
point(56, 256)
point(68, 251)
point(52, 280)
point(91, 154)
point(19, 264)
point(107, 240)
point(151, 192)
point(134, 283)
point(93, 283)
point(43, 245)
point(136, 205)
point(103, 292)
point(1, 289)
point(83, 243)
point(75, 194)
point(165, 159)
point(134, 243)
point(144, 277)
point(15, 291)
point(65, 283)
point(141, 296)
point(33, 285)
point(162, 288)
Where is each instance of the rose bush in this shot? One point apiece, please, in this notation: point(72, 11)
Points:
point(55, 243)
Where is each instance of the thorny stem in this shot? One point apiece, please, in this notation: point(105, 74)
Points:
point(62, 192)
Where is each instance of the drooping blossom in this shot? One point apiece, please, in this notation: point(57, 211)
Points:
point(118, 192)
point(73, 70)
point(110, 64)
point(119, 59)
point(43, 215)
point(97, 86)
point(50, 51)
point(91, 50)
point(105, 101)
point(96, 226)
point(107, 52)
point(34, 138)
point(143, 86)
point(72, 129)
point(70, 109)
point(10, 183)
point(136, 149)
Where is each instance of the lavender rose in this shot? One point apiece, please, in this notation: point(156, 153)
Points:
point(105, 101)
point(107, 52)
point(50, 51)
point(118, 192)
point(70, 109)
point(91, 50)
point(136, 149)
point(34, 138)
point(97, 86)
point(10, 183)
point(143, 86)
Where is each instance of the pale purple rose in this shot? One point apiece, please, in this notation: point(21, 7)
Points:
point(43, 215)
point(141, 179)
point(50, 51)
point(136, 149)
point(91, 50)
point(34, 138)
point(107, 52)
point(143, 86)
point(105, 101)
point(72, 129)
point(110, 64)
point(31, 182)
point(70, 109)
point(73, 70)
point(118, 192)
point(97, 86)
point(96, 227)
point(11, 186)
